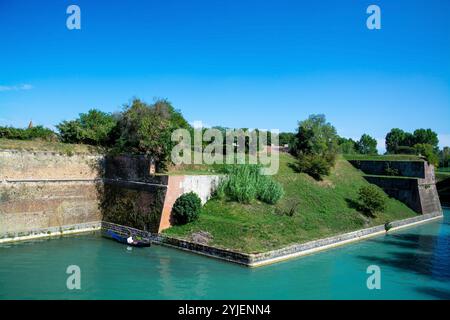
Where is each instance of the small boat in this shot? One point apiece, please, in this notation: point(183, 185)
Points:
point(136, 243)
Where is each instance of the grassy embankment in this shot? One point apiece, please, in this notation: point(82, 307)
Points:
point(320, 209)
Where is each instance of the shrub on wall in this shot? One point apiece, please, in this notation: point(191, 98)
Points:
point(38, 132)
point(186, 208)
point(372, 200)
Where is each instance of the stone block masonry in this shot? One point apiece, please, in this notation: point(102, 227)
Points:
point(38, 165)
point(414, 182)
point(46, 193)
point(41, 192)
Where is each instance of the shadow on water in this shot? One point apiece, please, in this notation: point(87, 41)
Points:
point(435, 293)
point(426, 255)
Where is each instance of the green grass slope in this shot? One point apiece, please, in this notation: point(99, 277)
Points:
point(320, 209)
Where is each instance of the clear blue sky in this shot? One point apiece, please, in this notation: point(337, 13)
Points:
point(262, 64)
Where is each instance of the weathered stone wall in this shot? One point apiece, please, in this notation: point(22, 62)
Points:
point(136, 205)
point(414, 183)
point(444, 191)
point(38, 165)
point(131, 168)
point(414, 169)
point(33, 206)
point(44, 190)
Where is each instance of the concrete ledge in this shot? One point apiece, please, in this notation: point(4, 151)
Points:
point(292, 251)
point(51, 232)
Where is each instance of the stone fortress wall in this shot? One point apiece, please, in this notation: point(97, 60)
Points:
point(45, 192)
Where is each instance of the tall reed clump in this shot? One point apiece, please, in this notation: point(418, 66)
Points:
point(245, 183)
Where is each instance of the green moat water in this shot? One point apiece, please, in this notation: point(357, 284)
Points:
point(414, 262)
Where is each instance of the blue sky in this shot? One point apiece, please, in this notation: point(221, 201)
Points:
point(262, 64)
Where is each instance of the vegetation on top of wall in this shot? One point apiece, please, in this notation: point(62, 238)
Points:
point(93, 128)
point(30, 133)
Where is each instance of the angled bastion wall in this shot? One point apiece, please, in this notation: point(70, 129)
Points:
point(412, 182)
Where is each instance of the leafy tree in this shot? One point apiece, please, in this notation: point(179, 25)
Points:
point(367, 145)
point(426, 136)
point(92, 128)
point(315, 136)
point(372, 200)
point(399, 141)
point(395, 138)
point(147, 129)
point(444, 157)
point(30, 133)
point(427, 151)
point(315, 146)
point(347, 146)
point(286, 138)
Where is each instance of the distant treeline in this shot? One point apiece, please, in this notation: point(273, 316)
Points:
point(146, 129)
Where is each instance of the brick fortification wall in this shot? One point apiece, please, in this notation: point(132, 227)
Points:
point(414, 183)
point(44, 191)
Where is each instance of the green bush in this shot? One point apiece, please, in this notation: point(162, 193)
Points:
point(244, 183)
point(186, 208)
point(93, 128)
point(427, 151)
point(269, 191)
point(38, 132)
point(372, 200)
point(315, 165)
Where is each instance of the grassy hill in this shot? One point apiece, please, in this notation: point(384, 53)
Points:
point(318, 208)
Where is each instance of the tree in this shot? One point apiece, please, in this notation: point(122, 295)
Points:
point(399, 141)
point(367, 145)
point(444, 157)
point(347, 146)
point(372, 200)
point(426, 136)
point(92, 128)
point(315, 136)
point(394, 139)
point(315, 146)
point(147, 129)
point(286, 138)
point(428, 152)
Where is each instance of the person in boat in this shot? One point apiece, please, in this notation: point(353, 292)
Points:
point(130, 239)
